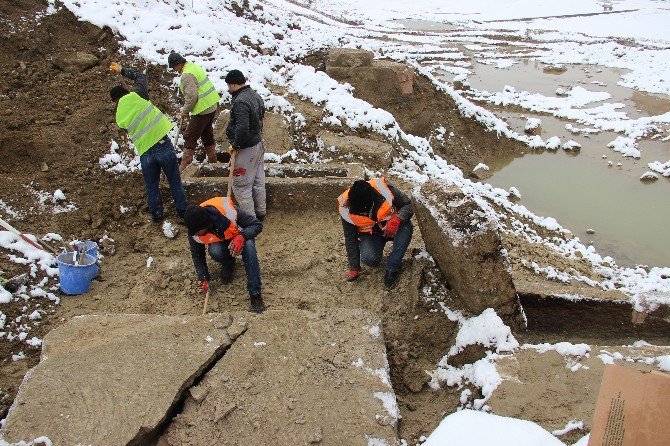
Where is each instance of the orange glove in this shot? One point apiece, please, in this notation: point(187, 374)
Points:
point(352, 275)
point(115, 67)
point(205, 285)
point(392, 226)
point(236, 245)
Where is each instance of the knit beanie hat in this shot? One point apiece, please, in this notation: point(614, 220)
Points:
point(235, 77)
point(361, 197)
point(117, 92)
point(197, 218)
point(175, 59)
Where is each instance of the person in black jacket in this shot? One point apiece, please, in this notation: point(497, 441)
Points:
point(245, 134)
point(227, 231)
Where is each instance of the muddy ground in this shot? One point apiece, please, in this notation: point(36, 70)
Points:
point(63, 117)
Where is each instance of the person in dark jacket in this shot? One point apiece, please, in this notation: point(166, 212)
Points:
point(245, 134)
point(373, 213)
point(227, 231)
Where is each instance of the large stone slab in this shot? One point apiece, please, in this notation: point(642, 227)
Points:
point(468, 250)
point(397, 78)
point(113, 379)
point(374, 154)
point(349, 58)
point(295, 378)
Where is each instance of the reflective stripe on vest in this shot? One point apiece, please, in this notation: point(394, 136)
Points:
point(145, 123)
point(384, 213)
point(227, 208)
point(207, 94)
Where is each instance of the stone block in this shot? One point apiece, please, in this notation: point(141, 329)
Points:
point(374, 154)
point(75, 62)
point(466, 245)
point(349, 58)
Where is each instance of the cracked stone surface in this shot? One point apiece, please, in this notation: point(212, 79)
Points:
point(286, 380)
point(112, 379)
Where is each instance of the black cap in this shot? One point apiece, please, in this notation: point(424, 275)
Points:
point(197, 218)
point(236, 77)
point(117, 92)
point(361, 197)
point(175, 59)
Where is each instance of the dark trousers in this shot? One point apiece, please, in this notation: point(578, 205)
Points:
point(220, 253)
point(199, 126)
point(372, 247)
point(159, 157)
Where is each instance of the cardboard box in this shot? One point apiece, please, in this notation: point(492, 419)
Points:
point(633, 409)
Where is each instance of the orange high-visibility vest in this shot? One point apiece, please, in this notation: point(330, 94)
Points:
point(226, 207)
point(385, 212)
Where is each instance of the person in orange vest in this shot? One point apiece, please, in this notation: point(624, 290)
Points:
point(227, 231)
point(373, 213)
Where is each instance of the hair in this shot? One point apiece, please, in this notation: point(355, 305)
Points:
point(117, 92)
point(361, 197)
point(197, 218)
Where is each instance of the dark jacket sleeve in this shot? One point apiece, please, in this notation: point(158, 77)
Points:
point(249, 225)
point(352, 246)
point(402, 203)
point(199, 258)
point(242, 113)
point(141, 86)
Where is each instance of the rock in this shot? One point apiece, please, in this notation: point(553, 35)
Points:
point(44, 167)
point(555, 69)
point(482, 171)
point(649, 177)
point(590, 231)
point(469, 355)
point(397, 78)
point(461, 85)
point(468, 249)
point(373, 153)
point(198, 393)
point(112, 379)
point(75, 62)
point(349, 58)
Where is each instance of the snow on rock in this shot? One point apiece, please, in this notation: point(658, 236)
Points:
point(116, 162)
point(514, 192)
point(664, 363)
point(5, 296)
point(572, 145)
point(470, 427)
point(481, 166)
point(486, 329)
point(649, 176)
point(626, 146)
point(662, 168)
point(532, 125)
point(553, 143)
point(169, 230)
point(569, 427)
point(562, 348)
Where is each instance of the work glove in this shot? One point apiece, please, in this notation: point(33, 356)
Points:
point(231, 150)
point(392, 226)
point(236, 245)
point(115, 67)
point(352, 275)
point(205, 286)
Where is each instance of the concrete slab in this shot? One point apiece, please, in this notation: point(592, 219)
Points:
point(468, 250)
point(288, 186)
point(287, 378)
point(113, 379)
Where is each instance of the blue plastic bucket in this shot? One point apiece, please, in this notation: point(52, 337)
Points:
point(92, 250)
point(75, 278)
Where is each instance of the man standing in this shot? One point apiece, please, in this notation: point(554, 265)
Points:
point(148, 128)
point(373, 213)
point(227, 231)
point(200, 100)
point(244, 132)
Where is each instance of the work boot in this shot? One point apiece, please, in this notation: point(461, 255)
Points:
point(211, 154)
point(227, 273)
point(391, 278)
point(260, 217)
point(257, 305)
point(186, 159)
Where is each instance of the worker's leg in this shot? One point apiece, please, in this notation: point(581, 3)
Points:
point(258, 189)
point(252, 268)
point(191, 135)
point(400, 244)
point(151, 170)
point(372, 249)
point(167, 159)
point(244, 174)
point(207, 136)
point(220, 253)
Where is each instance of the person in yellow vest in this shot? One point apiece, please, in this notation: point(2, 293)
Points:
point(200, 100)
point(227, 231)
point(148, 130)
point(373, 213)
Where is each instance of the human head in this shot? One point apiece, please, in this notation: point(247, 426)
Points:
point(197, 220)
point(117, 93)
point(235, 80)
point(176, 62)
point(361, 198)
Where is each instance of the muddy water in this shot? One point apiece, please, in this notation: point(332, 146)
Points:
point(580, 190)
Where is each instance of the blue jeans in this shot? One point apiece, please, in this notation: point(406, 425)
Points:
point(219, 252)
point(372, 247)
point(161, 156)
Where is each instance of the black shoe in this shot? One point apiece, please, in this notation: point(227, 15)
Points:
point(227, 273)
point(391, 278)
point(260, 217)
point(257, 305)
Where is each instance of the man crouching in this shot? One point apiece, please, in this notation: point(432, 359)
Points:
point(227, 231)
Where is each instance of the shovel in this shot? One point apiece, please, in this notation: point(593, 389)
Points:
point(176, 140)
point(204, 309)
point(11, 229)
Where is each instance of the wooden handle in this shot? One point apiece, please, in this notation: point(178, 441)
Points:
point(230, 174)
point(204, 309)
